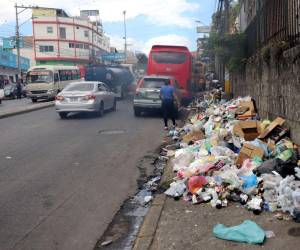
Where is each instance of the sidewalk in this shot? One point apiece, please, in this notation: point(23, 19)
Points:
point(180, 225)
point(20, 106)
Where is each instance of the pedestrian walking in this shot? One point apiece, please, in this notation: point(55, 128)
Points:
point(168, 96)
point(19, 89)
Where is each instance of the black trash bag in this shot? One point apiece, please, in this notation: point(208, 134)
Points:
point(267, 166)
point(284, 168)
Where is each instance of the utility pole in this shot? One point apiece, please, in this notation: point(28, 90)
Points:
point(23, 8)
point(226, 16)
point(18, 42)
point(125, 38)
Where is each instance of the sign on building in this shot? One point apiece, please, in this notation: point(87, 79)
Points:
point(203, 29)
point(88, 13)
point(10, 43)
point(113, 57)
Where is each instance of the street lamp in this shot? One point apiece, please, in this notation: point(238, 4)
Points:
point(198, 21)
point(125, 37)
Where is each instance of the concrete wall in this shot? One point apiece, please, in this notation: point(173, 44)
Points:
point(274, 85)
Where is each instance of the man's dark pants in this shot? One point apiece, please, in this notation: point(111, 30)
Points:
point(168, 111)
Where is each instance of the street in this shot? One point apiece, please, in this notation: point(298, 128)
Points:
point(9, 104)
point(61, 181)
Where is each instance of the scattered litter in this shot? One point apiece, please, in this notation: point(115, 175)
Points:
point(248, 232)
point(148, 198)
point(269, 234)
point(224, 153)
point(106, 243)
point(8, 157)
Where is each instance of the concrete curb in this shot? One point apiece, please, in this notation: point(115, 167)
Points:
point(148, 229)
point(25, 109)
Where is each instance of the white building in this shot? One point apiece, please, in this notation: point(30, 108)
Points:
point(26, 49)
point(61, 39)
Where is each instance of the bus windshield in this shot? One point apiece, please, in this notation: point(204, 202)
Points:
point(169, 57)
point(40, 77)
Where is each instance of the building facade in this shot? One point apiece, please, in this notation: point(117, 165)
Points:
point(26, 49)
point(61, 39)
point(9, 68)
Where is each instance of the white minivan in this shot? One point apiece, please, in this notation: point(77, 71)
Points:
point(45, 82)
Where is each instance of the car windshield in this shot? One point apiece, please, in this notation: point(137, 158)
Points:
point(40, 77)
point(80, 87)
point(153, 83)
point(9, 86)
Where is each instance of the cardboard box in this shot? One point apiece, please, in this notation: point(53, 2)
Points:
point(249, 151)
point(249, 130)
point(195, 136)
point(277, 122)
point(248, 114)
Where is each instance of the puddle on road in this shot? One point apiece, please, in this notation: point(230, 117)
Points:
point(125, 226)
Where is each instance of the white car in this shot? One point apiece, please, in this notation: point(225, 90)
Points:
point(87, 96)
point(1, 95)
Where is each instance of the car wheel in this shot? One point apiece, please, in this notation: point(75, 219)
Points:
point(114, 108)
point(137, 111)
point(101, 109)
point(33, 100)
point(63, 115)
point(0, 101)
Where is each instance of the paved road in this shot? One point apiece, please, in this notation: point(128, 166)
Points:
point(61, 181)
point(13, 104)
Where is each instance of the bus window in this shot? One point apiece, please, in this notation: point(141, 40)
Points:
point(56, 78)
point(75, 74)
point(40, 77)
point(169, 57)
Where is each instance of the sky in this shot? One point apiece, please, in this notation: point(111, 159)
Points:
point(148, 22)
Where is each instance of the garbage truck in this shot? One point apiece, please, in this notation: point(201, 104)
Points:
point(117, 77)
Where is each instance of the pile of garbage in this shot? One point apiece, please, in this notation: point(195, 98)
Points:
point(224, 153)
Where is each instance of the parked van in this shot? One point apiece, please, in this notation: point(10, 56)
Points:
point(44, 82)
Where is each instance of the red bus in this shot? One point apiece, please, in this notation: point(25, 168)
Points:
point(173, 61)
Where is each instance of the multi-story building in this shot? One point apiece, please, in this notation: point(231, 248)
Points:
point(9, 68)
point(26, 49)
point(61, 39)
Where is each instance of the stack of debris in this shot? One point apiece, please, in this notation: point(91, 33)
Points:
point(225, 153)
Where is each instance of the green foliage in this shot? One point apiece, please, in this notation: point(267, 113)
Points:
point(230, 49)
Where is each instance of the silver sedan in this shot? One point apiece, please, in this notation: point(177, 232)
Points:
point(85, 97)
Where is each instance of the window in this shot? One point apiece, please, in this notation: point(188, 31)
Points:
point(79, 46)
point(156, 83)
point(86, 46)
point(86, 33)
point(49, 29)
point(75, 74)
point(56, 78)
point(62, 32)
point(67, 75)
point(41, 76)
point(101, 87)
point(46, 48)
point(169, 57)
point(71, 45)
point(80, 87)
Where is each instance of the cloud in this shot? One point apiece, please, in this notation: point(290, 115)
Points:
point(170, 39)
point(159, 12)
